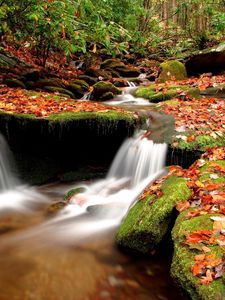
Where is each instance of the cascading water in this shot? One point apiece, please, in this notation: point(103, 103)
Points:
point(14, 195)
point(104, 204)
point(7, 179)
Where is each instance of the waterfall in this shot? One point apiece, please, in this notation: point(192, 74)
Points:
point(14, 195)
point(103, 204)
point(7, 179)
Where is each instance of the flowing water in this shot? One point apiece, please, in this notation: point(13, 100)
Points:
point(71, 255)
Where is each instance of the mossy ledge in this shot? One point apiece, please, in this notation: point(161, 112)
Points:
point(148, 220)
point(184, 258)
point(66, 141)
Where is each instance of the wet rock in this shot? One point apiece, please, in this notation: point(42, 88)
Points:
point(55, 82)
point(55, 208)
point(148, 220)
point(73, 192)
point(107, 96)
point(102, 88)
point(172, 69)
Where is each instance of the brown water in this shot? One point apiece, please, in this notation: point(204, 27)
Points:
point(32, 269)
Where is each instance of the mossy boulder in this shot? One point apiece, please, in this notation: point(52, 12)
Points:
point(184, 259)
point(101, 88)
point(150, 92)
point(76, 89)
point(73, 192)
point(14, 83)
point(99, 74)
point(82, 83)
point(215, 91)
point(54, 208)
point(149, 219)
point(172, 69)
point(88, 79)
point(59, 90)
point(56, 82)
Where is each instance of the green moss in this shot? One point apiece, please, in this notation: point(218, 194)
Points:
point(59, 90)
point(201, 143)
point(172, 69)
point(148, 220)
point(184, 258)
point(150, 93)
point(102, 87)
point(73, 192)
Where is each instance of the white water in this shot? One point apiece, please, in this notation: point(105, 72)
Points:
point(126, 98)
point(13, 194)
point(104, 204)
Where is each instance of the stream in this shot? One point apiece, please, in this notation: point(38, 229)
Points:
point(72, 255)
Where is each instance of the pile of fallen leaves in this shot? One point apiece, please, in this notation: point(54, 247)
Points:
point(197, 117)
point(44, 104)
point(208, 197)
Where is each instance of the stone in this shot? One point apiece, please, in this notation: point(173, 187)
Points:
point(14, 83)
point(88, 79)
point(172, 69)
point(103, 87)
point(59, 90)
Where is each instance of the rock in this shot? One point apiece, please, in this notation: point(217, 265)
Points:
point(14, 83)
point(98, 73)
point(172, 69)
point(103, 87)
point(32, 75)
point(6, 61)
point(210, 60)
point(88, 79)
point(154, 96)
point(184, 259)
point(56, 82)
point(111, 63)
point(107, 96)
point(73, 192)
point(76, 90)
point(125, 71)
point(59, 90)
point(148, 220)
point(82, 83)
point(55, 208)
point(214, 91)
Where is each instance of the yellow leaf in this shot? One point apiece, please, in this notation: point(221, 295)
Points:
point(94, 50)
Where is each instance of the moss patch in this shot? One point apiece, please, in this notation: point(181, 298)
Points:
point(149, 219)
point(165, 94)
point(172, 69)
point(184, 258)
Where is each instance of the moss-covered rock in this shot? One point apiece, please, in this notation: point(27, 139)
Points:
point(73, 192)
point(14, 83)
point(103, 87)
point(98, 73)
point(184, 259)
point(150, 92)
point(88, 79)
point(76, 89)
point(59, 90)
point(172, 69)
point(56, 82)
point(82, 83)
point(55, 208)
point(148, 220)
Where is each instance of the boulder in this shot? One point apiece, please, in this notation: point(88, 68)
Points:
point(98, 73)
point(103, 87)
point(210, 60)
point(149, 219)
point(76, 90)
point(172, 69)
point(111, 63)
point(126, 71)
point(88, 79)
point(82, 83)
point(59, 90)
